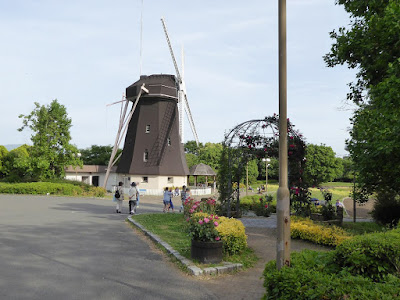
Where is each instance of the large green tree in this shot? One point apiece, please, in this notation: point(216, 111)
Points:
point(321, 164)
point(17, 164)
point(210, 154)
point(52, 150)
point(372, 45)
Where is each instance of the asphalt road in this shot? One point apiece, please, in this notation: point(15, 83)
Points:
point(78, 248)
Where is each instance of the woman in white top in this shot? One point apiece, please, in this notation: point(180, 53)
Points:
point(119, 200)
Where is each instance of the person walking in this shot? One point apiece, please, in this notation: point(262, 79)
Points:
point(171, 204)
point(133, 196)
point(138, 194)
point(183, 197)
point(119, 197)
point(166, 199)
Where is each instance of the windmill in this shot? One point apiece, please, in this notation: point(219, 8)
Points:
point(183, 103)
point(153, 129)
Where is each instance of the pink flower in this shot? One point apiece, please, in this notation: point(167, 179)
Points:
point(216, 217)
point(191, 211)
point(215, 223)
point(206, 220)
point(201, 222)
point(217, 238)
point(266, 205)
point(188, 219)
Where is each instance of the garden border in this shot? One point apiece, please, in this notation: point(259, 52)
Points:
point(192, 268)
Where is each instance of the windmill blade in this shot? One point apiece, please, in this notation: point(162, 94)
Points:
point(190, 118)
point(178, 75)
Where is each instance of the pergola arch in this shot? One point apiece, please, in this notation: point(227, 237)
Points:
point(258, 139)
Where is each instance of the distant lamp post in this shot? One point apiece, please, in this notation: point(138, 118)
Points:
point(266, 160)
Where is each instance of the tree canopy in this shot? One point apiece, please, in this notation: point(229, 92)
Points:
point(97, 155)
point(51, 151)
point(370, 45)
point(321, 164)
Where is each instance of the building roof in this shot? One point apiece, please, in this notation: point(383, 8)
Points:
point(90, 169)
point(202, 170)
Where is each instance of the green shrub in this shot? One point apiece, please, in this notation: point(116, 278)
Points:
point(253, 203)
point(387, 209)
point(372, 255)
point(305, 229)
point(312, 275)
point(44, 188)
point(232, 232)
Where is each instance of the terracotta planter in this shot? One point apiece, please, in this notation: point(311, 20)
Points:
point(207, 252)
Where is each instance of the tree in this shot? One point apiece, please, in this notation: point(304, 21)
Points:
point(370, 45)
point(97, 155)
point(348, 169)
point(191, 159)
point(321, 164)
point(51, 151)
point(3, 154)
point(210, 154)
point(192, 147)
point(17, 164)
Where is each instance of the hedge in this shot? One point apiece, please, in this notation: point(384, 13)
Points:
point(312, 275)
point(305, 229)
point(363, 267)
point(44, 188)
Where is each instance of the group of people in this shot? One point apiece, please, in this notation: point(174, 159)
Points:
point(133, 195)
point(168, 194)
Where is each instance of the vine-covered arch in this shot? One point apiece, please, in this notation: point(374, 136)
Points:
point(257, 139)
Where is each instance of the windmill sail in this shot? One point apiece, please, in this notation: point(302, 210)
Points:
point(182, 101)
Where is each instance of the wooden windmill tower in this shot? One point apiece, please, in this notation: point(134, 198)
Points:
point(152, 129)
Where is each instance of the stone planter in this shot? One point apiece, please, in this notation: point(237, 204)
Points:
point(207, 252)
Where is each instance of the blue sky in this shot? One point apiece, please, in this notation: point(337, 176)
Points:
point(85, 53)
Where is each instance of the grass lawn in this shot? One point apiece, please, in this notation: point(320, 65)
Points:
point(171, 228)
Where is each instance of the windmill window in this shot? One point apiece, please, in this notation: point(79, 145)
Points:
point(147, 128)
point(146, 155)
point(170, 179)
point(145, 179)
point(169, 141)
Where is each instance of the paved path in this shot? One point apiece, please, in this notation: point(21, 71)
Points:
point(75, 248)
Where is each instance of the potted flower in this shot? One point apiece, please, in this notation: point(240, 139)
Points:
point(206, 241)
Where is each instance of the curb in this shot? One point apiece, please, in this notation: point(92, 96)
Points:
point(192, 268)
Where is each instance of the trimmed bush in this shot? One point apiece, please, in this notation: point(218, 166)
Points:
point(233, 235)
point(313, 275)
point(253, 203)
point(305, 229)
point(371, 255)
point(44, 188)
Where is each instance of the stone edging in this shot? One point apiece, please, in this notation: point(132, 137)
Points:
point(192, 268)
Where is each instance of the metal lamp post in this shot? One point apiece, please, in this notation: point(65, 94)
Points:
point(283, 202)
point(266, 160)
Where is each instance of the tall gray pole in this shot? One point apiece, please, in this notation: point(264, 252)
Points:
point(283, 203)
